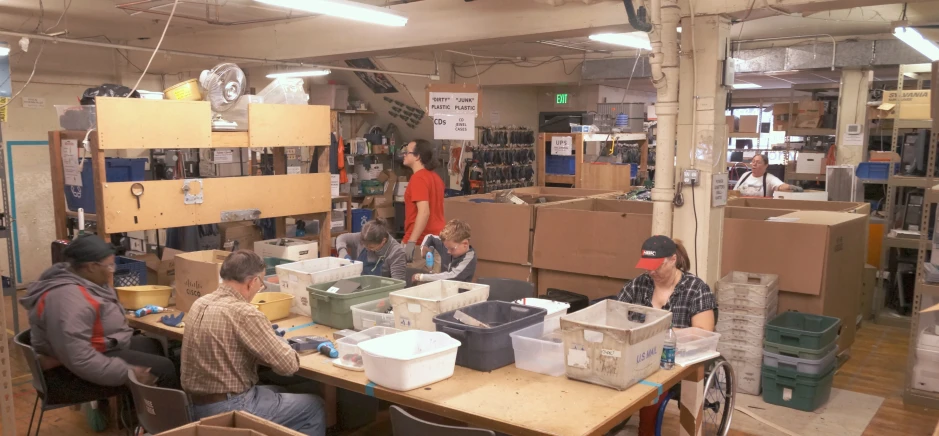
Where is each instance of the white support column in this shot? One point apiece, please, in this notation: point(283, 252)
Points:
point(702, 141)
point(852, 109)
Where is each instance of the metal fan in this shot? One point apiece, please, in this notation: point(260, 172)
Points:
point(223, 84)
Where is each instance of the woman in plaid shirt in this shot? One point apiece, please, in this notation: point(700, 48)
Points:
point(668, 285)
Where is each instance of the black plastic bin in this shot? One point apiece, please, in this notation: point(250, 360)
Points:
point(577, 301)
point(486, 349)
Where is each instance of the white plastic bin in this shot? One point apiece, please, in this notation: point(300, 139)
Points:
point(747, 289)
point(350, 357)
point(416, 307)
point(748, 374)
point(694, 343)
point(614, 344)
point(555, 308)
point(732, 324)
point(926, 377)
point(372, 314)
point(927, 355)
point(740, 352)
point(295, 277)
point(540, 348)
point(409, 360)
point(928, 337)
point(804, 366)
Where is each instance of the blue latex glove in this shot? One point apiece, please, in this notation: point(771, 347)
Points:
point(794, 188)
point(347, 257)
point(173, 320)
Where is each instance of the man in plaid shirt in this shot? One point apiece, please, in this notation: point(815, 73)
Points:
point(226, 339)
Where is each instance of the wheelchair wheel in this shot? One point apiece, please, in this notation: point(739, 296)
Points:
point(719, 389)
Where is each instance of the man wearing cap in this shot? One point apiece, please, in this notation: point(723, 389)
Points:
point(77, 327)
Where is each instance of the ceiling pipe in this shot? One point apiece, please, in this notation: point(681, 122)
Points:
point(212, 56)
point(664, 66)
point(637, 20)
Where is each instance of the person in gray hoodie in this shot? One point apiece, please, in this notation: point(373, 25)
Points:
point(374, 246)
point(77, 327)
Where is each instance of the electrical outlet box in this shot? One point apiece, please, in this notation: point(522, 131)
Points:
point(689, 175)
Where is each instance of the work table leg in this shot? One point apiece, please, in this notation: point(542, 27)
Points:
point(691, 407)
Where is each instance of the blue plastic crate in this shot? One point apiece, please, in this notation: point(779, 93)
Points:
point(117, 170)
point(359, 218)
point(129, 272)
point(559, 165)
point(876, 170)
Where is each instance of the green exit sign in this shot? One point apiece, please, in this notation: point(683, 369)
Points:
point(561, 99)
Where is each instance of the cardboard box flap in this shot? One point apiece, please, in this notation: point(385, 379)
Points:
point(823, 218)
point(568, 192)
point(930, 309)
point(780, 203)
point(244, 420)
point(753, 213)
point(500, 232)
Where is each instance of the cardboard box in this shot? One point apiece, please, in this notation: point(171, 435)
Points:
point(808, 114)
point(245, 233)
point(807, 195)
point(818, 256)
point(197, 275)
point(232, 423)
point(749, 124)
point(565, 192)
point(597, 237)
point(810, 163)
point(388, 195)
point(868, 283)
point(286, 248)
point(592, 286)
point(160, 271)
point(782, 115)
point(793, 205)
point(914, 104)
point(731, 122)
point(884, 156)
point(502, 270)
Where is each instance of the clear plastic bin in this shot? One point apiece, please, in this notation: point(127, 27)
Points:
point(416, 307)
point(272, 284)
point(350, 357)
point(372, 314)
point(694, 343)
point(540, 348)
point(409, 360)
point(77, 117)
point(804, 366)
point(555, 308)
point(295, 277)
point(284, 90)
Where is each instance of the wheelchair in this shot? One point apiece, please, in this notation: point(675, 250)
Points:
point(720, 387)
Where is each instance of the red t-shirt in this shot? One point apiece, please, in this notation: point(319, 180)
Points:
point(426, 186)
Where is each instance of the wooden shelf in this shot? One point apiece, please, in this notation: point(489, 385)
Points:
point(743, 135)
point(559, 178)
point(927, 288)
point(911, 181)
point(811, 132)
point(913, 124)
point(802, 177)
point(912, 244)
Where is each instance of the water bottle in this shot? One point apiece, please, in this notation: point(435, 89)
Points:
point(429, 261)
point(668, 350)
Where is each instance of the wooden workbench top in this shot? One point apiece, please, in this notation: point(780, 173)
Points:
point(508, 399)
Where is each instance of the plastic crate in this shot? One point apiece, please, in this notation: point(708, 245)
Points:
point(694, 343)
point(272, 262)
point(416, 307)
point(739, 352)
point(488, 348)
point(577, 301)
point(274, 305)
point(742, 290)
point(295, 277)
point(540, 348)
point(350, 357)
point(409, 360)
point(796, 390)
point(555, 308)
point(748, 375)
point(116, 170)
point(136, 297)
point(129, 272)
point(564, 165)
point(359, 218)
point(926, 377)
point(802, 330)
point(801, 353)
point(372, 187)
point(876, 170)
point(736, 325)
point(614, 344)
point(335, 310)
point(375, 313)
point(804, 366)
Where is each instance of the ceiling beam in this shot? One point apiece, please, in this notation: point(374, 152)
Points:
point(765, 8)
point(432, 24)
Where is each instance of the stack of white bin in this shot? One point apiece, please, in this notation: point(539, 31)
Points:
point(746, 302)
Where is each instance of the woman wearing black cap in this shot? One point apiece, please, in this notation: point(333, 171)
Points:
point(78, 328)
point(668, 285)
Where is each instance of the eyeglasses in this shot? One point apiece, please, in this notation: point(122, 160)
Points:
point(405, 151)
point(110, 266)
point(263, 285)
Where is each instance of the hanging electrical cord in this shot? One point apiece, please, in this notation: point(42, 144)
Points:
point(155, 49)
point(66, 4)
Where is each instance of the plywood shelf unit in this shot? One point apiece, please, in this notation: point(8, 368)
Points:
point(150, 124)
point(589, 175)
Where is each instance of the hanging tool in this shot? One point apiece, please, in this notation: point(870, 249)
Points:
point(137, 190)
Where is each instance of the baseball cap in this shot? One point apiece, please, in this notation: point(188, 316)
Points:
point(654, 252)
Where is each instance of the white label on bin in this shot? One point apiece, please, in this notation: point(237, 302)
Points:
point(593, 336)
point(332, 290)
point(367, 323)
point(73, 175)
point(577, 358)
point(414, 308)
point(293, 278)
point(787, 394)
point(610, 353)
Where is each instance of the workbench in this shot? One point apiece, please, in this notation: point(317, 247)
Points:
point(507, 400)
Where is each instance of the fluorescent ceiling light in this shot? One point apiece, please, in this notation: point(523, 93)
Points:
point(633, 39)
point(914, 39)
point(4, 50)
point(746, 86)
point(344, 9)
point(307, 73)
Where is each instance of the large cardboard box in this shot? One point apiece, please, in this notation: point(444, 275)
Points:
point(197, 275)
point(160, 271)
point(914, 104)
point(749, 124)
point(787, 204)
point(502, 270)
point(286, 248)
point(592, 286)
point(818, 256)
point(782, 115)
point(239, 235)
point(808, 114)
point(564, 192)
point(598, 237)
point(232, 423)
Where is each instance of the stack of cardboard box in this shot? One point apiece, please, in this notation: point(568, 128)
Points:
point(383, 204)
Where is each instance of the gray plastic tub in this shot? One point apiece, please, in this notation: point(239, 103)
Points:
point(802, 366)
point(800, 353)
point(486, 349)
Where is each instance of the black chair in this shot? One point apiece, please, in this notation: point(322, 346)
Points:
point(507, 289)
point(159, 409)
point(49, 402)
point(405, 424)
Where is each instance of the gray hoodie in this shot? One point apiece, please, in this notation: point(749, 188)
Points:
point(76, 321)
point(395, 263)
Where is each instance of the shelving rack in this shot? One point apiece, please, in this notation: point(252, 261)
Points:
point(911, 395)
point(587, 175)
point(895, 184)
point(816, 90)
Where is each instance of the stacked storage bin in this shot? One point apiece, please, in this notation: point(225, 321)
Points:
point(926, 368)
point(745, 301)
point(799, 360)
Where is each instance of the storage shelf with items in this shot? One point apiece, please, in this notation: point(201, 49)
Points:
point(593, 160)
point(503, 159)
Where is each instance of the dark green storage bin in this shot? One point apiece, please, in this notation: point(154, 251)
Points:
point(802, 330)
point(799, 353)
point(335, 310)
point(271, 264)
point(805, 392)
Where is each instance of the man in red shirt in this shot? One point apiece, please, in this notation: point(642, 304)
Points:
point(423, 199)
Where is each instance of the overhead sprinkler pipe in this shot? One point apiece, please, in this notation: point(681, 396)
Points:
point(664, 65)
point(637, 20)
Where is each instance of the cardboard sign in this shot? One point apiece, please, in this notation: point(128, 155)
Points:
point(454, 103)
point(562, 145)
point(459, 127)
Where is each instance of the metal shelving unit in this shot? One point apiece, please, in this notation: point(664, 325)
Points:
point(912, 395)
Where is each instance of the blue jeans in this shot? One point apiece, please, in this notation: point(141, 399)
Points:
point(304, 413)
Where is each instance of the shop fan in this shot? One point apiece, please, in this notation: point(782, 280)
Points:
point(224, 85)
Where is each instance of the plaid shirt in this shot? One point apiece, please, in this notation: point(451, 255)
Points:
point(225, 339)
point(691, 297)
